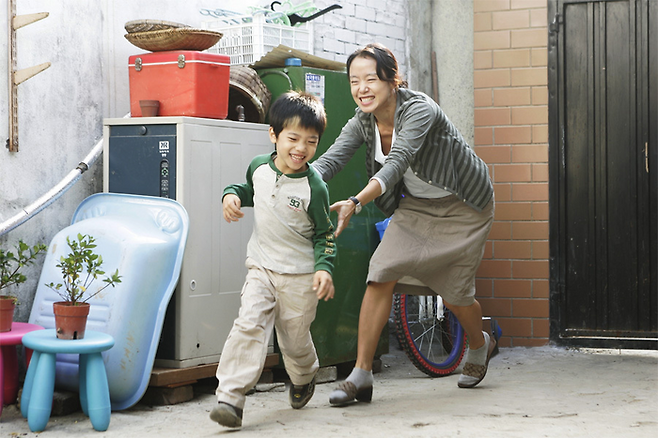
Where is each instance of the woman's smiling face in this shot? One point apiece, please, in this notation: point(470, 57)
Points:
point(370, 93)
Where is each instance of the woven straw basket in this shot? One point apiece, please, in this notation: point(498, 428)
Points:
point(146, 25)
point(183, 38)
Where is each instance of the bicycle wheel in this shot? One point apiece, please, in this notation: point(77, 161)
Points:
point(429, 333)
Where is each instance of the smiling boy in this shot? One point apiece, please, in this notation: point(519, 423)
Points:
point(290, 258)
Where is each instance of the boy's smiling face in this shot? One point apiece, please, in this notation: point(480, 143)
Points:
point(295, 146)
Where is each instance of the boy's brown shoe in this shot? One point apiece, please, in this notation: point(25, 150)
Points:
point(226, 415)
point(300, 395)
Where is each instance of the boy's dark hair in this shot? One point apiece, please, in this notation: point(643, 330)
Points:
point(298, 107)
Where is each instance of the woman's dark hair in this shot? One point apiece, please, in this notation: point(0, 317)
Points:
point(298, 107)
point(387, 65)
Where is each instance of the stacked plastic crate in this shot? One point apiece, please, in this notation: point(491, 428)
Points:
point(248, 38)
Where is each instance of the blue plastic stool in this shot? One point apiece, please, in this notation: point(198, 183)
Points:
point(37, 398)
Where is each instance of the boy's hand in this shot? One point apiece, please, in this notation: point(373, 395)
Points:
point(323, 284)
point(231, 208)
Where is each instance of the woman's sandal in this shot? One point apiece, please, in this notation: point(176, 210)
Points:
point(347, 392)
point(477, 372)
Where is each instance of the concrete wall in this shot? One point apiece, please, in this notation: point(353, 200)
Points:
point(61, 110)
point(452, 39)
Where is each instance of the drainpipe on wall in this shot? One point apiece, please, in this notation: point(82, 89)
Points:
point(53, 194)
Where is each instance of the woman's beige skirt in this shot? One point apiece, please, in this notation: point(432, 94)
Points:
point(437, 241)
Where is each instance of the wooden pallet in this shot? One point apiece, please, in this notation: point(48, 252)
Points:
point(173, 377)
point(169, 386)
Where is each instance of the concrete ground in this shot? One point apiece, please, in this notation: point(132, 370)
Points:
point(528, 392)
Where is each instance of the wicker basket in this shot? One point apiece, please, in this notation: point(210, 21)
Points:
point(185, 38)
point(147, 25)
point(248, 90)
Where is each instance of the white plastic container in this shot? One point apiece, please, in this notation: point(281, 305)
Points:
point(248, 38)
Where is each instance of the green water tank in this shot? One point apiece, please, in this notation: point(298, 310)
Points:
point(335, 327)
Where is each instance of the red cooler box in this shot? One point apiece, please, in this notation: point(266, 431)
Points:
point(187, 83)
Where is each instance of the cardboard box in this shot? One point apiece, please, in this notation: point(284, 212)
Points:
point(186, 83)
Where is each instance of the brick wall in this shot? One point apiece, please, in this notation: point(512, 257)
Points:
point(511, 135)
point(342, 31)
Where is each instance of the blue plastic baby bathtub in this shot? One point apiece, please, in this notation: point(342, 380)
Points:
point(144, 238)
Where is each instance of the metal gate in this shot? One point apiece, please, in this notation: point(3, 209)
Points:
point(603, 124)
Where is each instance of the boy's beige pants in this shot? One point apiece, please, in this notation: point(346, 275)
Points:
point(268, 299)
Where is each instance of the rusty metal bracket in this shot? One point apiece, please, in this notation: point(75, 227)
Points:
point(20, 76)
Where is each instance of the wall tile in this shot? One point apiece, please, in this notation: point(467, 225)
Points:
point(529, 38)
point(482, 22)
point(539, 17)
point(492, 154)
point(513, 172)
point(495, 269)
point(482, 59)
point(496, 306)
point(530, 192)
point(499, 39)
point(529, 308)
point(513, 249)
point(513, 211)
point(540, 211)
point(518, 19)
point(530, 230)
point(529, 76)
point(512, 135)
point(530, 154)
point(483, 287)
point(508, 288)
point(540, 172)
point(530, 115)
point(512, 96)
point(484, 136)
point(511, 58)
point(491, 78)
point(503, 192)
point(539, 56)
point(540, 249)
point(492, 116)
point(490, 5)
point(527, 4)
point(540, 133)
point(483, 97)
point(540, 288)
point(500, 230)
point(540, 327)
point(540, 95)
point(513, 327)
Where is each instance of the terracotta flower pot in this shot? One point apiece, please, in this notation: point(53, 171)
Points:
point(70, 321)
point(7, 306)
point(149, 108)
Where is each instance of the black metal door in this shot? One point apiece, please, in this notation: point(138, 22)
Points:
point(603, 122)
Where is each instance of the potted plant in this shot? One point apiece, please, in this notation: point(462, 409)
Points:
point(80, 268)
point(10, 274)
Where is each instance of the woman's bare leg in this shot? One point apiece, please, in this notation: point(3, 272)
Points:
point(375, 310)
point(470, 318)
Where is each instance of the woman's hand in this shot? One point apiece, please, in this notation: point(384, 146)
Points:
point(323, 285)
point(345, 210)
point(231, 208)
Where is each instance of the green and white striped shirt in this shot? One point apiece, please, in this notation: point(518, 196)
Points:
point(426, 140)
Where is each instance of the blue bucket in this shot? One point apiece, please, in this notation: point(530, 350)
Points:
point(381, 227)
